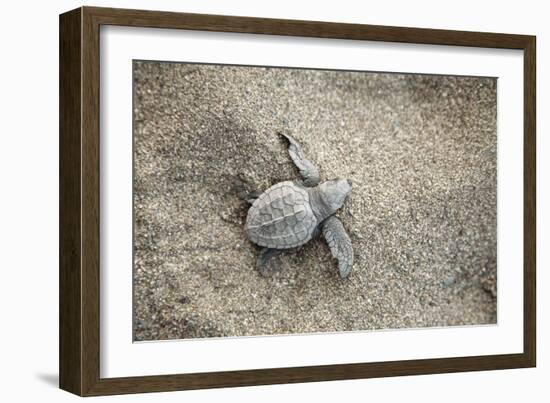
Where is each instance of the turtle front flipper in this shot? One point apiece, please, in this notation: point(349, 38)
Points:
point(339, 243)
point(309, 172)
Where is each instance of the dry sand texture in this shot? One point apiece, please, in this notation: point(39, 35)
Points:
point(421, 151)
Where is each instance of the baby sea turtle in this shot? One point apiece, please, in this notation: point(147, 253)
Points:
point(291, 213)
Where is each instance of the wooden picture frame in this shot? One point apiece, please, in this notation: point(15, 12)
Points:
point(79, 348)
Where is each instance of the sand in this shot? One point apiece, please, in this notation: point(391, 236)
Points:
point(420, 150)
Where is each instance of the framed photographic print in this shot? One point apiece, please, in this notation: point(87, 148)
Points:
point(249, 201)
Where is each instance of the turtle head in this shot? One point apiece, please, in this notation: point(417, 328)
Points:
point(334, 193)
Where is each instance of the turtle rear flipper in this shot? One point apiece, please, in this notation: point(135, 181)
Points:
point(251, 197)
point(243, 189)
point(339, 243)
point(265, 264)
point(309, 172)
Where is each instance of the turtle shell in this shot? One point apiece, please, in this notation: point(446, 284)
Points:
point(281, 217)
